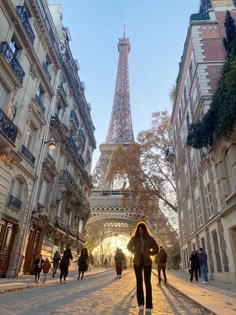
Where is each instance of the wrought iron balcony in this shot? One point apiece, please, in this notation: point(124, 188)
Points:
point(60, 224)
point(27, 154)
point(45, 68)
point(39, 103)
point(20, 10)
point(74, 118)
point(72, 232)
point(10, 58)
point(7, 128)
point(15, 202)
point(67, 177)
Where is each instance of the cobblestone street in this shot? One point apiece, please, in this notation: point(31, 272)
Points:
point(99, 294)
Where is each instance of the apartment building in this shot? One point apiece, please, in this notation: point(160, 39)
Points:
point(205, 178)
point(46, 137)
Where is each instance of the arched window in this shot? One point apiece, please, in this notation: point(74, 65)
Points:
point(228, 171)
point(18, 193)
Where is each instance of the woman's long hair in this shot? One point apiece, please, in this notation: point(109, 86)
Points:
point(145, 230)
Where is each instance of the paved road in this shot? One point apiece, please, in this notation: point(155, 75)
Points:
point(96, 295)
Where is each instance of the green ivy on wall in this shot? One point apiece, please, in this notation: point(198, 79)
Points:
point(220, 119)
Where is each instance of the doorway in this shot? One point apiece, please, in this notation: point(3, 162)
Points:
point(7, 237)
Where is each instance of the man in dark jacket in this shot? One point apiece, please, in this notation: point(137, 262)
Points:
point(203, 265)
point(161, 260)
point(64, 263)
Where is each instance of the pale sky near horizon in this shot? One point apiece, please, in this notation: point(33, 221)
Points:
point(157, 31)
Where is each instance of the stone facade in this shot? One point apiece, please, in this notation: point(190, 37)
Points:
point(46, 137)
point(205, 179)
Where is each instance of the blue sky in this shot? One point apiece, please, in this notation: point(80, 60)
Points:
point(157, 31)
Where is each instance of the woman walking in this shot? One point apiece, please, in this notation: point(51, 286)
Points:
point(83, 263)
point(119, 262)
point(46, 269)
point(64, 263)
point(142, 245)
point(56, 260)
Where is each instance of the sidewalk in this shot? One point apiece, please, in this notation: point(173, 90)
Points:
point(27, 281)
point(219, 298)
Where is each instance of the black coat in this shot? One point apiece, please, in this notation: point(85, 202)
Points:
point(38, 265)
point(119, 258)
point(65, 261)
point(194, 261)
point(83, 263)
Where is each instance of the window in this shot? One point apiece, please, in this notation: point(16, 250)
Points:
point(228, 171)
point(193, 162)
point(81, 225)
point(59, 111)
point(191, 71)
point(44, 194)
point(198, 206)
point(203, 243)
point(3, 96)
point(185, 96)
point(217, 251)
point(190, 216)
point(208, 194)
point(14, 46)
point(17, 190)
point(29, 140)
point(40, 92)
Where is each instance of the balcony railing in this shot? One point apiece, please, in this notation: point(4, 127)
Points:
point(14, 202)
point(27, 154)
point(45, 68)
point(60, 224)
point(7, 128)
point(20, 10)
point(74, 118)
point(72, 232)
point(67, 177)
point(5, 49)
point(39, 103)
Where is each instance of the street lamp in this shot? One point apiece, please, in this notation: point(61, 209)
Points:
point(51, 144)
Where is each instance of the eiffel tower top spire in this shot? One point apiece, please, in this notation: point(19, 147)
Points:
point(120, 129)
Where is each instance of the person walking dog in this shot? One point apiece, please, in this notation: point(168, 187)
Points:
point(143, 245)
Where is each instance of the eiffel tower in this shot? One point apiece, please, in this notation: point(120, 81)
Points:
point(106, 198)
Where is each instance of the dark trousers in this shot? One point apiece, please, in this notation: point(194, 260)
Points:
point(147, 279)
point(195, 272)
point(64, 272)
point(163, 269)
point(37, 275)
point(119, 270)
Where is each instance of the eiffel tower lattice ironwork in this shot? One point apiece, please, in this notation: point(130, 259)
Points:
point(106, 199)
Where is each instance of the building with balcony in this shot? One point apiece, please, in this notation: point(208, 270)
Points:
point(43, 193)
point(205, 178)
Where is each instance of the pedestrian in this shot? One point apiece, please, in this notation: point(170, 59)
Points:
point(82, 263)
point(64, 263)
point(142, 245)
point(203, 264)
point(194, 263)
point(106, 262)
point(199, 267)
point(56, 259)
point(46, 268)
point(119, 262)
point(38, 267)
point(161, 260)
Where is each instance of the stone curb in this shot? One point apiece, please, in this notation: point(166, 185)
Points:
point(40, 285)
point(210, 312)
